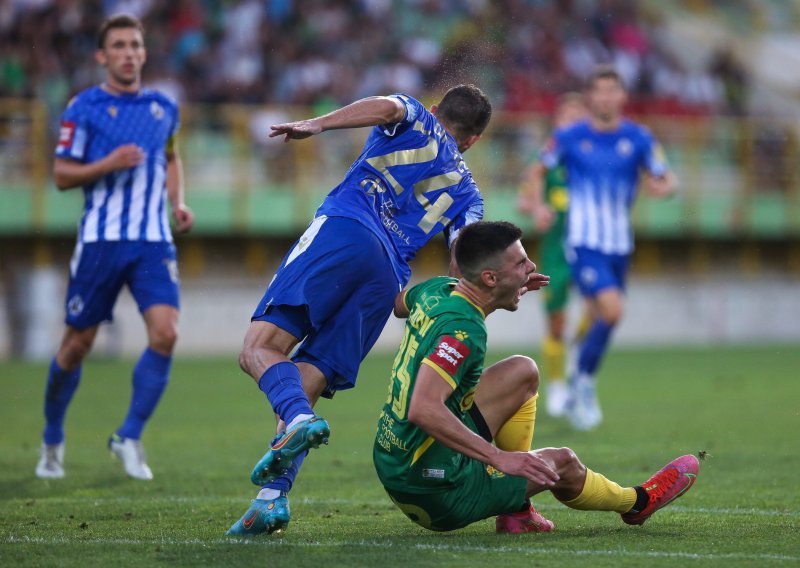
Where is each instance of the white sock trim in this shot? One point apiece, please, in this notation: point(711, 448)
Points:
point(298, 418)
point(268, 494)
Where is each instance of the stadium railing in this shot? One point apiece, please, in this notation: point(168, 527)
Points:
point(738, 177)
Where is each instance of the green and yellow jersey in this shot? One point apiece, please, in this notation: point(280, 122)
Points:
point(551, 253)
point(447, 332)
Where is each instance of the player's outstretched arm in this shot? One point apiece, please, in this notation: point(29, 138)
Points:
point(370, 111)
point(184, 218)
point(428, 411)
point(68, 173)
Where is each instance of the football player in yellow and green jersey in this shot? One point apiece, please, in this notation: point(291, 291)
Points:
point(546, 199)
point(453, 440)
point(447, 333)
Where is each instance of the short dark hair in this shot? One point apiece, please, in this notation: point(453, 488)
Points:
point(465, 109)
point(117, 22)
point(604, 71)
point(479, 245)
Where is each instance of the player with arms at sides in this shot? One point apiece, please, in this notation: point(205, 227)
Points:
point(335, 288)
point(433, 450)
point(118, 143)
point(603, 157)
point(546, 199)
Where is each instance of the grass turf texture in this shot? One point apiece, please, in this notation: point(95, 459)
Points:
point(739, 405)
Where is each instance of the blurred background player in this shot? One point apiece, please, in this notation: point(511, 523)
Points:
point(433, 450)
point(335, 289)
point(603, 157)
point(546, 199)
point(117, 142)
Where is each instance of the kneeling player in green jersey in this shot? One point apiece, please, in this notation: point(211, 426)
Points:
point(433, 450)
point(545, 198)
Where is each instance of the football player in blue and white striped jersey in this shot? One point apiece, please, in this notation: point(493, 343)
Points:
point(117, 143)
point(603, 157)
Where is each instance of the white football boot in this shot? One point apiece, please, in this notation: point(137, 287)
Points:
point(51, 461)
point(131, 454)
point(557, 395)
point(584, 410)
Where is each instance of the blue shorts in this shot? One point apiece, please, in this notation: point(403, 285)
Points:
point(594, 271)
point(335, 289)
point(99, 270)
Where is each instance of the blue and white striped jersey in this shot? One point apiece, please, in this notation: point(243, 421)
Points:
point(125, 205)
point(409, 184)
point(602, 177)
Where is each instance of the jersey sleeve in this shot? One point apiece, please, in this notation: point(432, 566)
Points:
point(456, 352)
point(413, 109)
point(654, 160)
point(73, 134)
point(552, 153)
point(472, 213)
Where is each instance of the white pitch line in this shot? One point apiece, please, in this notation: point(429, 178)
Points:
point(532, 551)
point(199, 500)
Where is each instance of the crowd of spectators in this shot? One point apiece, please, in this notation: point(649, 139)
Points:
point(327, 52)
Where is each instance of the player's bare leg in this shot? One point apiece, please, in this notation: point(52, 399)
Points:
point(581, 488)
point(161, 321)
point(63, 380)
point(506, 398)
point(584, 410)
point(504, 388)
point(265, 351)
point(75, 346)
point(269, 512)
point(150, 379)
point(265, 345)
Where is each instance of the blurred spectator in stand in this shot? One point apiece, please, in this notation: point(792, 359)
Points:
point(726, 67)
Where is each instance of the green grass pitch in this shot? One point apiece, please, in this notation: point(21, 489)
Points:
point(740, 405)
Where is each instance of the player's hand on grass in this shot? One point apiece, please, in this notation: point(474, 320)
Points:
point(125, 157)
point(537, 281)
point(527, 465)
point(184, 218)
point(296, 130)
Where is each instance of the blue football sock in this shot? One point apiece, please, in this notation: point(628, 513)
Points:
point(594, 347)
point(150, 377)
point(284, 389)
point(61, 385)
point(284, 482)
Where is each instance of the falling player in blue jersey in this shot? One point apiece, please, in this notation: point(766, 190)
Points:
point(117, 142)
point(603, 157)
point(335, 289)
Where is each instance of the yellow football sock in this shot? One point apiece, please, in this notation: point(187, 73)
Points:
point(516, 435)
point(583, 326)
point(601, 494)
point(553, 357)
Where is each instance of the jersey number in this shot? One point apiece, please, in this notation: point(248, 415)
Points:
point(401, 378)
point(434, 212)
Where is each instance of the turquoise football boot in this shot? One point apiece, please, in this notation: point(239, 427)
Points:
point(304, 435)
point(263, 516)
